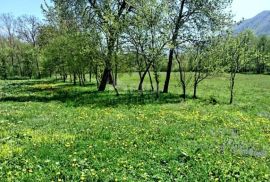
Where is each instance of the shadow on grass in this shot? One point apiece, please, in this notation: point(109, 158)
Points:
point(67, 93)
point(47, 91)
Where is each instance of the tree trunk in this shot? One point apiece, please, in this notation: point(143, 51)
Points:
point(74, 78)
point(116, 74)
point(64, 78)
point(195, 90)
point(104, 80)
point(90, 75)
point(97, 77)
point(232, 87)
point(151, 82)
point(138, 63)
point(38, 69)
point(168, 72)
point(157, 84)
point(84, 78)
point(107, 73)
point(174, 38)
point(182, 77)
point(184, 91)
point(143, 76)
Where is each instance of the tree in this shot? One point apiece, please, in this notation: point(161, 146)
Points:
point(183, 61)
point(3, 60)
point(149, 36)
point(28, 29)
point(234, 55)
point(262, 50)
point(109, 16)
point(8, 24)
point(206, 61)
point(188, 16)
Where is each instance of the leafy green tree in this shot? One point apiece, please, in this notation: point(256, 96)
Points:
point(262, 51)
point(8, 30)
point(205, 63)
point(3, 60)
point(190, 17)
point(149, 36)
point(183, 59)
point(234, 54)
point(109, 16)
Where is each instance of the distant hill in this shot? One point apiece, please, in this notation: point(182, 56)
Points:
point(260, 24)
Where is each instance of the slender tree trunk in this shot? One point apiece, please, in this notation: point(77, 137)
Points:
point(80, 79)
point(232, 87)
point(195, 90)
point(64, 78)
point(184, 91)
point(90, 75)
point(168, 72)
point(38, 69)
point(182, 77)
point(143, 76)
point(174, 38)
point(116, 74)
point(74, 78)
point(157, 83)
point(97, 76)
point(84, 78)
point(151, 82)
point(138, 63)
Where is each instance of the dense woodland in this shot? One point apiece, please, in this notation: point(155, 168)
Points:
point(94, 40)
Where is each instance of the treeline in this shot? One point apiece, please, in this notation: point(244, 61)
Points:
point(102, 38)
point(19, 52)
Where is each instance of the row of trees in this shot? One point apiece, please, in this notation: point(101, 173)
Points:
point(102, 38)
point(19, 55)
point(244, 53)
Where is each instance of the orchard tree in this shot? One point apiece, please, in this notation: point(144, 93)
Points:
point(183, 59)
point(234, 57)
point(189, 16)
point(109, 17)
point(206, 61)
point(149, 35)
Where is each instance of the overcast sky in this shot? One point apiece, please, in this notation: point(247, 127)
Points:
point(241, 8)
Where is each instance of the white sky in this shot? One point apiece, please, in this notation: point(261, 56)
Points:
point(241, 8)
point(249, 8)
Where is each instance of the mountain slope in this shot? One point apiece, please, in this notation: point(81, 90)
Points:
point(260, 24)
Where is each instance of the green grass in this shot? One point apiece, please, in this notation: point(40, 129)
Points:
point(51, 131)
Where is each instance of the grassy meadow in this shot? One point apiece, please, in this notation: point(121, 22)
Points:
point(54, 131)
